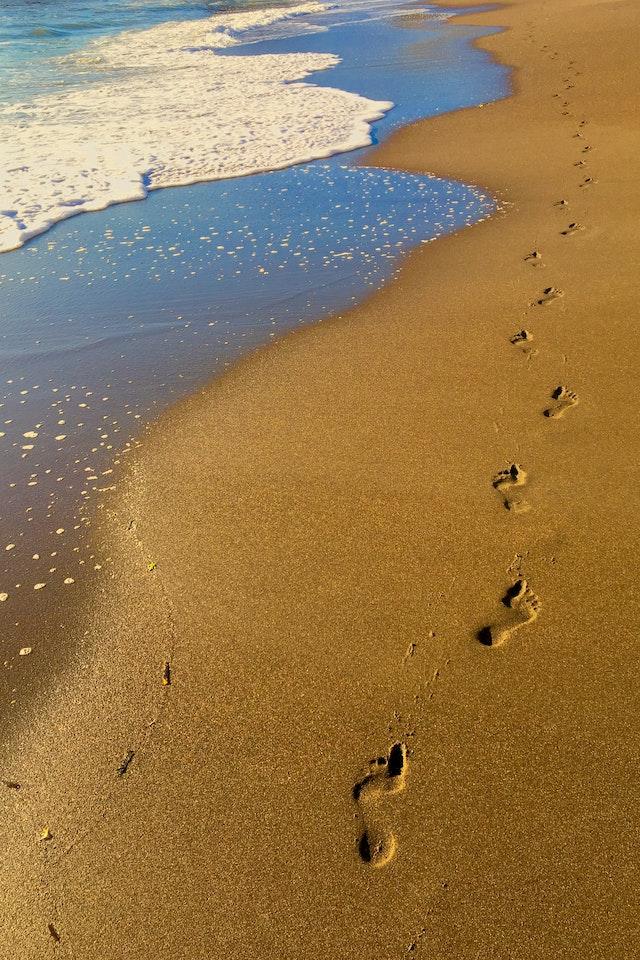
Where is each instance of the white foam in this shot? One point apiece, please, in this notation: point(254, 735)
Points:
point(162, 108)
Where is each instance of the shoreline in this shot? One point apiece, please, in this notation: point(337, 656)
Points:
point(30, 615)
point(338, 537)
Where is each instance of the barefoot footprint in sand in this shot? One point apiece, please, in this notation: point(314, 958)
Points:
point(574, 227)
point(388, 776)
point(521, 336)
point(563, 399)
point(523, 608)
point(505, 481)
point(549, 294)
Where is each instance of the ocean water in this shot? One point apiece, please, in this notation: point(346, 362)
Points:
point(109, 316)
point(158, 107)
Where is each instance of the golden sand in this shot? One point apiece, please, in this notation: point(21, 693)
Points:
point(396, 590)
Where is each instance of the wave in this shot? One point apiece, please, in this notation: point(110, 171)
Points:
point(161, 107)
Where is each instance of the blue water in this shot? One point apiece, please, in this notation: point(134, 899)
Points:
point(34, 31)
point(109, 317)
point(424, 70)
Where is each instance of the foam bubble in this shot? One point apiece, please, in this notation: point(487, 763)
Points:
point(161, 107)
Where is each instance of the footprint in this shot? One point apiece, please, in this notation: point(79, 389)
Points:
point(523, 607)
point(572, 228)
point(388, 776)
point(549, 294)
point(564, 399)
point(522, 336)
point(505, 481)
point(409, 652)
point(534, 255)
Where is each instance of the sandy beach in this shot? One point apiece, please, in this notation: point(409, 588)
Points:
point(361, 681)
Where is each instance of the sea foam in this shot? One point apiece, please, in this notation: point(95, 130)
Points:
point(162, 107)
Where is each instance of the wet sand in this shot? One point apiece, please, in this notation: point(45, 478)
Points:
point(382, 537)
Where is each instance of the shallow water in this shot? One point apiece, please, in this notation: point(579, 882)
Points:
point(109, 317)
point(160, 107)
point(34, 31)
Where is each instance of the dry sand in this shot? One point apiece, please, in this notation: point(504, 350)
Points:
point(329, 527)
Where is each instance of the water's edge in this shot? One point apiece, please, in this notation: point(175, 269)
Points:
point(67, 651)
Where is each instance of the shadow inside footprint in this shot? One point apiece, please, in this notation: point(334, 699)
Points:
point(377, 851)
point(523, 606)
point(377, 844)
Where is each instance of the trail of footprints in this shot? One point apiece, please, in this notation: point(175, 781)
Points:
point(387, 777)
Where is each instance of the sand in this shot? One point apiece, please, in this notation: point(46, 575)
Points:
point(369, 541)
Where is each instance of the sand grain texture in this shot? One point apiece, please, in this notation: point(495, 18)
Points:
point(329, 549)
